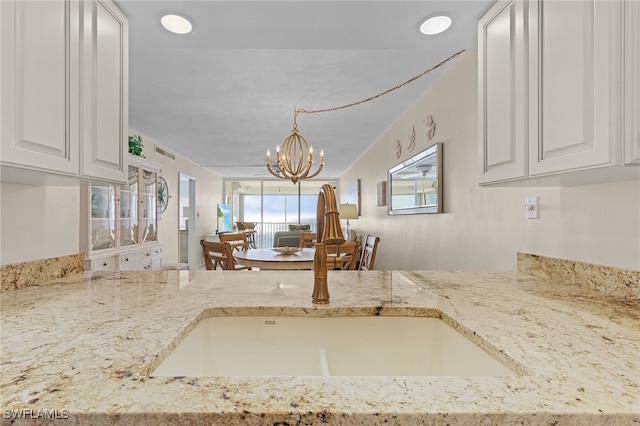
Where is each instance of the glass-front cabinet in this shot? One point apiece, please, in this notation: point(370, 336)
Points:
point(102, 222)
point(121, 221)
point(129, 209)
point(148, 203)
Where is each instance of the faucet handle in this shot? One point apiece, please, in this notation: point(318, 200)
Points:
point(320, 286)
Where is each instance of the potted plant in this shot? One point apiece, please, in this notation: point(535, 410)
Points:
point(135, 145)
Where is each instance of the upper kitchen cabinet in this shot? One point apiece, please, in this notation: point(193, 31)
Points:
point(502, 120)
point(632, 82)
point(39, 85)
point(575, 85)
point(554, 96)
point(64, 88)
point(105, 122)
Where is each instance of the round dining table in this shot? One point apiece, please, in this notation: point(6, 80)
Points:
point(268, 258)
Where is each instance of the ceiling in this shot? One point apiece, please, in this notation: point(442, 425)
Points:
point(223, 95)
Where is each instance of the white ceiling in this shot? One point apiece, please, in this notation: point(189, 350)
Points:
point(223, 95)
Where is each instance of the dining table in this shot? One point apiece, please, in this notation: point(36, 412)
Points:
point(276, 258)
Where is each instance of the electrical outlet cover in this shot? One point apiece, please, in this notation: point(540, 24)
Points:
point(532, 207)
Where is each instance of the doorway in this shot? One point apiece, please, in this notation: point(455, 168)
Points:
point(186, 222)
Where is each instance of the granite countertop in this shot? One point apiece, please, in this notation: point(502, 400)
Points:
point(83, 347)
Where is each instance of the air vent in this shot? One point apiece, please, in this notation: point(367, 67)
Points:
point(165, 153)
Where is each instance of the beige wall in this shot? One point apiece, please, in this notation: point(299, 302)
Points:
point(38, 222)
point(483, 228)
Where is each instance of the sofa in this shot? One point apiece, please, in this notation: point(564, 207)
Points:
point(290, 238)
point(286, 238)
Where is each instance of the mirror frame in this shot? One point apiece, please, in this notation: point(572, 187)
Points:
point(434, 150)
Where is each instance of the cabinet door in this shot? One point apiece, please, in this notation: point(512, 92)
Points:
point(105, 91)
point(575, 85)
point(148, 206)
point(102, 230)
point(632, 81)
point(128, 218)
point(502, 96)
point(39, 85)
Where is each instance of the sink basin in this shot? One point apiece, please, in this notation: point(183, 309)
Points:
point(327, 346)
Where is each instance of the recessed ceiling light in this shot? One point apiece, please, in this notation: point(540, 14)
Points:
point(435, 25)
point(177, 24)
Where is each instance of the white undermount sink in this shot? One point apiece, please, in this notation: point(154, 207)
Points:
point(327, 346)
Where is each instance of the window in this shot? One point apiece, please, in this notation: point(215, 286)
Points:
point(274, 205)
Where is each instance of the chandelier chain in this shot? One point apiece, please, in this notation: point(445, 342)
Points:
point(296, 158)
point(396, 87)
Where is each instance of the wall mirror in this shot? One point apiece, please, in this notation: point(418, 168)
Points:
point(415, 185)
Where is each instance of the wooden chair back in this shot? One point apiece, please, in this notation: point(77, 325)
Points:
point(368, 257)
point(237, 240)
point(342, 256)
point(219, 254)
point(246, 226)
point(307, 239)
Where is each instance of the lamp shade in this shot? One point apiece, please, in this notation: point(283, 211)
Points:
point(348, 211)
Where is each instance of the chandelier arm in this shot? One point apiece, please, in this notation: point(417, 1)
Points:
point(273, 173)
point(281, 168)
point(317, 172)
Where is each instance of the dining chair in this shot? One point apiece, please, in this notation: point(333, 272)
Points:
point(368, 257)
point(307, 239)
point(237, 240)
point(249, 228)
point(342, 257)
point(219, 254)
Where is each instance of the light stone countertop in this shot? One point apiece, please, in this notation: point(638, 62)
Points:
point(85, 345)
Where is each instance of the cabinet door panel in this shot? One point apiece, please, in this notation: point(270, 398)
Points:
point(632, 82)
point(105, 100)
point(502, 97)
point(574, 84)
point(40, 84)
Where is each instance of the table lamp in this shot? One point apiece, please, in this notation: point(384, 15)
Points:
point(348, 211)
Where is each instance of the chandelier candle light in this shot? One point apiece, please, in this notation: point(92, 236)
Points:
point(296, 158)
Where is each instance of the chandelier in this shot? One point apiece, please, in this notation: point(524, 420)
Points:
point(295, 159)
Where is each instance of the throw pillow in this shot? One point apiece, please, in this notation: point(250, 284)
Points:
point(299, 227)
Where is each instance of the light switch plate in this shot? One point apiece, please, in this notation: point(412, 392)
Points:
point(531, 207)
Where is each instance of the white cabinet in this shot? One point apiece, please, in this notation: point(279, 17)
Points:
point(39, 84)
point(502, 119)
point(557, 92)
point(575, 85)
point(119, 222)
point(632, 81)
point(64, 88)
point(105, 91)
